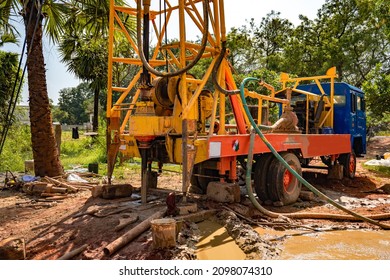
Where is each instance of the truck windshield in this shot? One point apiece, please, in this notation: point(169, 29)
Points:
point(359, 103)
point(339, 100)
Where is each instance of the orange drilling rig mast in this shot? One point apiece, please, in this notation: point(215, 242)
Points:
point(166, 114)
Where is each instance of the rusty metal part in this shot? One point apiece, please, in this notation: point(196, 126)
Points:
point(287, 123)
point(131, 234)
point(127, 220)
point(160, 92)
point(172, 209)
point(73, 253)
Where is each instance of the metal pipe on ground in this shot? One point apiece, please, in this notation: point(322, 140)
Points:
point(73, 253)
point(131, 234)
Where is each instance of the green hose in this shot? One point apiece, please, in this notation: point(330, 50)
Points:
point(248, 182)
point(288, 167)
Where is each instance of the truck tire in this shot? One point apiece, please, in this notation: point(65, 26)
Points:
point(206, 175)
point(283, 186)
point(348, 161)
point(194, 179)
point(261, 174)
point(327, 160)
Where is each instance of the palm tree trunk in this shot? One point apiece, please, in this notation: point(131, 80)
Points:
point(45, 152)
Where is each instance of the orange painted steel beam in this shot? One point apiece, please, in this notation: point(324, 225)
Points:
point(237, 109)
point(310, 145)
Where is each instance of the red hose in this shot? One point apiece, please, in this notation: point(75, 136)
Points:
point(238, 114)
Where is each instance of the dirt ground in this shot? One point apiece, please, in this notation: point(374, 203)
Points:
point(52, 228)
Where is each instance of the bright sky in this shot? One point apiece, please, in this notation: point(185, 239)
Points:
point(236, 13)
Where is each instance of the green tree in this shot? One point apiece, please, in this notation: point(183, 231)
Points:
point(348, 34)
point(7, 31)
point(302, 54)
point(84, 44)
point(72, 104)
point(88, 61)
point(377, 90)
point(270, 38)
point(37, 16)
point(256, 46)
point(242, 55)
point(6, 38)
point(8, 68)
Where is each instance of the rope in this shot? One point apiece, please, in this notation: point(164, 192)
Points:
point(13, 102)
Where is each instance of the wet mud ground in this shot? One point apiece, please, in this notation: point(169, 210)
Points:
point(52, 229)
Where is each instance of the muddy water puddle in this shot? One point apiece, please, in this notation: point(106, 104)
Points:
point(338, 245)
point(216, 244)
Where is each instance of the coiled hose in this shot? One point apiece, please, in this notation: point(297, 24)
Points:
point(266, 212)
point(187, 67)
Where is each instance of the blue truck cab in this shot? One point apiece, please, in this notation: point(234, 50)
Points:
point(349, 112)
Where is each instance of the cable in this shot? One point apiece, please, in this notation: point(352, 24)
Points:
point(191, 64)
point(215, 71)
point(13, 102)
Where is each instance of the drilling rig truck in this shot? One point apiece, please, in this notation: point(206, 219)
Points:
point(165, 114)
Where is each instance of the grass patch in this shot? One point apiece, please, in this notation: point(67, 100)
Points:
point(75, 153)
point(17, 148)
point(382, 170)
point(82, 151)
point(383, 133)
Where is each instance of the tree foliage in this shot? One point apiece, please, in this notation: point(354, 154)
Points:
point(352, 35)
point(73, 104)
point(8, 73)
point(377, 89)
point(38, 17)
point(84, 45)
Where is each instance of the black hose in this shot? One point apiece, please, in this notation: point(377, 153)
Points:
point(215, 71)
point(146, 64)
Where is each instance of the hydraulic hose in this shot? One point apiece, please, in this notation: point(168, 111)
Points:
point(248, 181)
point(294, 215)
point(291, 170)
point(146, 64)
point(215, 71)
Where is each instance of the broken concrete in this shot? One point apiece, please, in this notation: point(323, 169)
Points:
point(223, 192)
point(336, 172)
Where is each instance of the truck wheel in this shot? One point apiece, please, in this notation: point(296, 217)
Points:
point(206, 175)
point(348, 161)
point(261, 174)
point(283, 185)
point(194, 179)
point(327, 160)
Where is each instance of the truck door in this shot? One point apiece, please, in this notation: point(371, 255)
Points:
point(358, 122)
point(360, 145)
point(360, 115)
point(353, 114)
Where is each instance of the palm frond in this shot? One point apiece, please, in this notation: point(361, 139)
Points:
point(7, 38)
point(54, 14)
point(9, 10)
